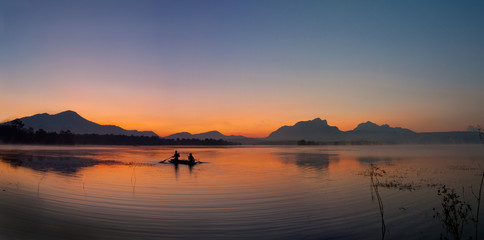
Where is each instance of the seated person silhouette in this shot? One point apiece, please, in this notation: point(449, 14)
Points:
point(191, 158)
point(176, 156)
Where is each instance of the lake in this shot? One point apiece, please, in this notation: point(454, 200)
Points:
point(241, 192)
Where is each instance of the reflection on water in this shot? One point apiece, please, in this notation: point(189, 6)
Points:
point(62, 164)
point(309, 160)
point(314, 192)
point(375, 159)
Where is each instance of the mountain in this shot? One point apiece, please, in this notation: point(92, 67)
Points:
point(209, 135)
point(319, 131)
point(181, 135)
point(369, 131)
point(372, 128)
point(313, 130)
point(70, 120)
point(217, 135)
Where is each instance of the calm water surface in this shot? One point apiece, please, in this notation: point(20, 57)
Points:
point(283, 192)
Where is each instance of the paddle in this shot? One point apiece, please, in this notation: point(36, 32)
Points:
point(162, 161)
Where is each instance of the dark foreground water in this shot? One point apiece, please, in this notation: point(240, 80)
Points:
point(321, 192)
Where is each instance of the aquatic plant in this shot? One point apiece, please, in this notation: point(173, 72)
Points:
point(376, 172)
point(455, 212)
point(481, 134)
point(394, 184)
point(478, 198)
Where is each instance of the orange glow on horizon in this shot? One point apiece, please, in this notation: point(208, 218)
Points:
point(260, 125)
point(168, 109)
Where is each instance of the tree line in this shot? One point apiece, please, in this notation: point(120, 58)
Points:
point(14, 132)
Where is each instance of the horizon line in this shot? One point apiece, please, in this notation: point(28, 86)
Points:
point(236, 133)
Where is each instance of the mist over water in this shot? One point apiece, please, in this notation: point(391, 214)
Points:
point(313, 192)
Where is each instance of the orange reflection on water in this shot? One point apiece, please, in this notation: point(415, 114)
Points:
point(258, 192)
point(344, 166)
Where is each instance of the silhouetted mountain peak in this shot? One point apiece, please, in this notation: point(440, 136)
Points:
point(367, 126)
point(314, 122)
point(315, 129)
point(214, 132)
point(69, 113)
point(69, 116)
point(70, 120)
point(370, 127)
point(206, 135)
point(180, 135)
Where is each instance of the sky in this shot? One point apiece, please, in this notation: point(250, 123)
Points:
point(245, 67)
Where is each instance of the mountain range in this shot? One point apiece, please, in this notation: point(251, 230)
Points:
point(319, 131)
point(70, 120)
point(209, 135)
point(316, 130)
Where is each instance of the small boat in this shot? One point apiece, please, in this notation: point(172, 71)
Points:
point(181, 161)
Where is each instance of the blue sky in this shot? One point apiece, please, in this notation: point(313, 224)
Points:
point(245, 66)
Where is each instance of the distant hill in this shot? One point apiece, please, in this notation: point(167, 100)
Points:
point(217, 135)
point(369, 131)
point(314, 130)
point(70, 120)
point(370, 127)
point(205, 135)
point(180, 135)
point(318, 131)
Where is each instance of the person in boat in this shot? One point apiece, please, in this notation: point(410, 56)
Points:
point(191, 159)
point(176, 156)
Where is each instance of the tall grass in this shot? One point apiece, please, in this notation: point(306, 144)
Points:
point(376, 172)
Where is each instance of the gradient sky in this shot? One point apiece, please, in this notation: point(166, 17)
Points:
point(245, 67)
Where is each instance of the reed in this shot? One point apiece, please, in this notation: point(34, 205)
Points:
point(478, 198)
point(376, 172)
